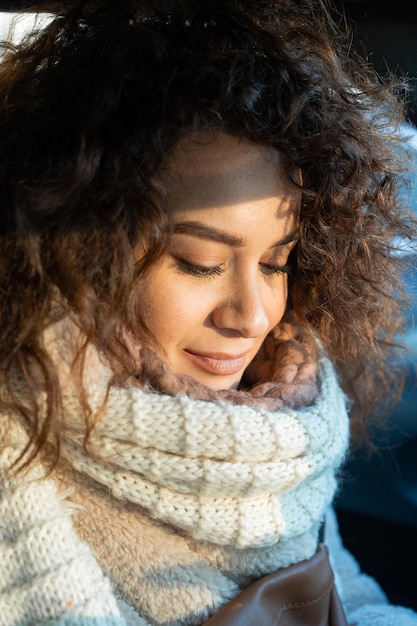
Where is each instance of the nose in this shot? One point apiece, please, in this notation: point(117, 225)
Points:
point(242, 311)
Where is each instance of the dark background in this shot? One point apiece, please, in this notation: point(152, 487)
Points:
point(385, 34)
point(377, 505)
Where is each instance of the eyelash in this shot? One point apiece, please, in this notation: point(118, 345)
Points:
point(197, 270)
point(208, 272)
point(270, 270)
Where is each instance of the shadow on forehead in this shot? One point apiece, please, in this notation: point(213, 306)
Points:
point(224, 170)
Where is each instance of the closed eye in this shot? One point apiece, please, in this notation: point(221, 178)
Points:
point(270, 269)
point(197, 270)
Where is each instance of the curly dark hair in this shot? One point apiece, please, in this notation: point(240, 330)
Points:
point(92, 105)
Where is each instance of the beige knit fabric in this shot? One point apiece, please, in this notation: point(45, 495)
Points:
point(46, 572)
point(181, 501)
point(231, 475)
point(198, 498)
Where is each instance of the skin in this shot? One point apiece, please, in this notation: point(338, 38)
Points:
point(223, 284)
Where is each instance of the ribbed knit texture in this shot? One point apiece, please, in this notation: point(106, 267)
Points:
point(240, 491)
point(46, 571)
point(72, 554)
point(227, 474)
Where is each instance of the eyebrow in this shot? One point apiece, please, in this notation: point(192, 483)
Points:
point(198, 229)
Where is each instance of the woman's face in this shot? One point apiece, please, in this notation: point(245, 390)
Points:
point(222, 284)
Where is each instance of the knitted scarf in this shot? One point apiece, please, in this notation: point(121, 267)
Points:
point(188, 497)
point(243, 478)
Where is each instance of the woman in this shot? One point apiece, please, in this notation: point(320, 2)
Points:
point(199, 204)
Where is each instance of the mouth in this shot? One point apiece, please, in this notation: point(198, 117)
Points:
point(218, 363)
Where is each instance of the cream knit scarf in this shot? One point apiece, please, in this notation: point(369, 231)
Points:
point(222, 472)
point(199, 497)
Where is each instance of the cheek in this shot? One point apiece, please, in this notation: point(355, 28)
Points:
point(172, 310)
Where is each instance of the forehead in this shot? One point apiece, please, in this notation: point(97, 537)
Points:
point(207, 172)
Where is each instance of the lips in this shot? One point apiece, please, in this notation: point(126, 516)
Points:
point(218, 363)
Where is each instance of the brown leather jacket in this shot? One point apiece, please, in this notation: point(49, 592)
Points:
point(300, 595)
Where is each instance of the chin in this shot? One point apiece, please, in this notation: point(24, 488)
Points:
point(219, 385)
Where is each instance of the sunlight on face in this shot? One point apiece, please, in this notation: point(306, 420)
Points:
point(222, 285)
